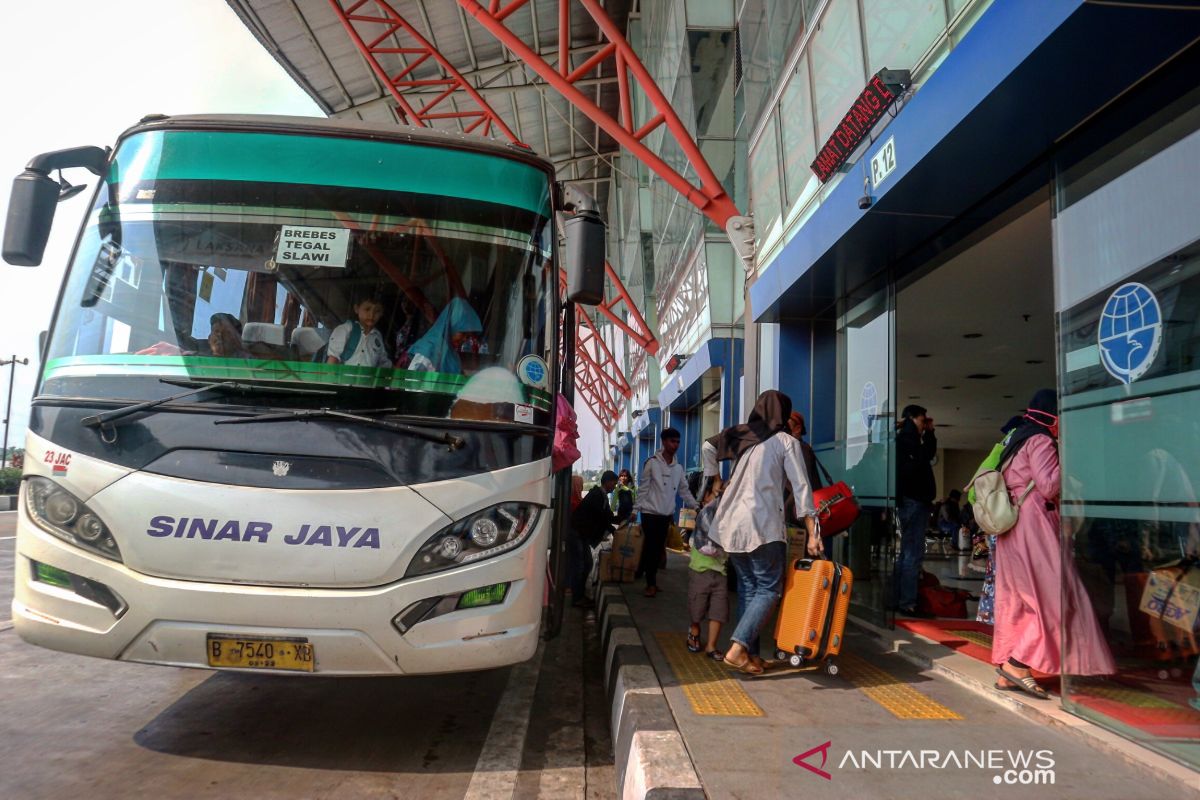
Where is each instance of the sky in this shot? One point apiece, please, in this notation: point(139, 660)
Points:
point(78, 72)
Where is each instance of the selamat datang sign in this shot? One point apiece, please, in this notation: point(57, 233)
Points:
point(883, 90)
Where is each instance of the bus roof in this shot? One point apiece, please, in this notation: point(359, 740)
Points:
point(323, 126)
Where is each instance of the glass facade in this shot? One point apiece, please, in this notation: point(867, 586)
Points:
point(803, 64)
point(1123, 264)
point(1128, 278)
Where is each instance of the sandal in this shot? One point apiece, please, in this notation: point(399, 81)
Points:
point(748, 666)
point(1026, 684)
point(693, 642)
point(715, 655)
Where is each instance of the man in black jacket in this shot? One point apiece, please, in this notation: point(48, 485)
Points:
point(916, 447)
point(591, 520)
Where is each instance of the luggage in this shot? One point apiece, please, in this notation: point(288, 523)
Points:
point(619, 564)
point(836, 507)
point(812, 614)
point(940, 601)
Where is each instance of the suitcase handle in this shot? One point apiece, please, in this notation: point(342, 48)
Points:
point(805, 564)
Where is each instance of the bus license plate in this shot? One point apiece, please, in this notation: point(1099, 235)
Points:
point(254, 653)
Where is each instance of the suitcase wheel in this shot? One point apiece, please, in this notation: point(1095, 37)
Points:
point(831, 668)
point(796, 660)
point(781, 655)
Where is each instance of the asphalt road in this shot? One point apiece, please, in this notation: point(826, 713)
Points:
point(76, 726)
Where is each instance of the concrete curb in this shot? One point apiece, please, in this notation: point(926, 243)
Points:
point(651, 759)
point(980, 678)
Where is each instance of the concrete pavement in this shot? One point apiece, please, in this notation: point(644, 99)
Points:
point(884, 727)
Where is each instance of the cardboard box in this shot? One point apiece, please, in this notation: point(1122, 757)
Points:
point(618, 565)
point(687, 519)
point(611, 572)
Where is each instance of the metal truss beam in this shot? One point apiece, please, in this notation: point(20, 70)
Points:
point(598, 378)
point(375, 28)
point(708, 195)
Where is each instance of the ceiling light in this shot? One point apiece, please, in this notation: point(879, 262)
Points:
point(947, 387)
point(1035, 361)
point(972, 335)
point(924, 355)
point(980, 376)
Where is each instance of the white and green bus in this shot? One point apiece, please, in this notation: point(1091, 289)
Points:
point(297, 400)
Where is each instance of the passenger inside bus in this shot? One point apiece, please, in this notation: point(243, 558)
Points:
point(457, 329)
point(358, 342)
point(225, 336)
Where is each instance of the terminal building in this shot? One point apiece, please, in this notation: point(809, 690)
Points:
point(956, 203)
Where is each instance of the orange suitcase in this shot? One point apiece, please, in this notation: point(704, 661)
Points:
point(812, 614)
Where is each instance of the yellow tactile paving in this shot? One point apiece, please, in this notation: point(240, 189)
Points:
point(903, 701)
point(708, 685)
point(975, 637)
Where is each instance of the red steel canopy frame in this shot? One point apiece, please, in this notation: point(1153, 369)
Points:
point(599, 377)
point(382, 26)
point(709, 196)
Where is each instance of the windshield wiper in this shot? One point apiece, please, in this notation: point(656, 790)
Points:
point(109, 417)
point(448, 439)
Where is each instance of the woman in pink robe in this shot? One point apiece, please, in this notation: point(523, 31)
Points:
point(1040, 599)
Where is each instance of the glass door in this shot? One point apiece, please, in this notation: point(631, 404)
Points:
point(862, 455)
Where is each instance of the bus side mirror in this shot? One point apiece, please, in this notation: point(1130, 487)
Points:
point(34, 196)
point(585, 242)
point(30, 215)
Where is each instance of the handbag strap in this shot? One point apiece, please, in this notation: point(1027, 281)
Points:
point(829, 481)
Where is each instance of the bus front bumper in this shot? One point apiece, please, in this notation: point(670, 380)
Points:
point(165, 621)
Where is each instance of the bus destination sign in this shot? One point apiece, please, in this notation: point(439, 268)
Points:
point(882, 91)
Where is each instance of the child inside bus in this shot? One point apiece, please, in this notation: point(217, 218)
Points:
point(358, 342)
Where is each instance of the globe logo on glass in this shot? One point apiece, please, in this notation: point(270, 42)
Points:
point(1130, 332)
point(868, 404)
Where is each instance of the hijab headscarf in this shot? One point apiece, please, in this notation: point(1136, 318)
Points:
point(456, 317)
point(769, 417)
point(1040, 419)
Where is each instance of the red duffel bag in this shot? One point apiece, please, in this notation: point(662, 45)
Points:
point(836, 507)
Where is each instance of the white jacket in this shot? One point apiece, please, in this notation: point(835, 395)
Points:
point(751, 510)
point(659, 484)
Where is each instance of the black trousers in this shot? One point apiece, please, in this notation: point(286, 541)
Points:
point(654, 543)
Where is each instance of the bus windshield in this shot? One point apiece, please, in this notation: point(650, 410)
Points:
point(404, 276)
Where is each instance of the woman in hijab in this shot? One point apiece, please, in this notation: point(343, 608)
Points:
point(437, 350)
point(749, 523)
point(1038, 593)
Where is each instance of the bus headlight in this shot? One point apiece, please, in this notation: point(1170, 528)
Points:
point(484, 534)
point(58, 512)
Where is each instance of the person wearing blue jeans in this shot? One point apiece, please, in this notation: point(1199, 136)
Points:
point(916, 447)
point(760, 585)
point(913, 517)
point(749, 524)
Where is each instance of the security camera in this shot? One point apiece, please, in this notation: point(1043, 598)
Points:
point(864, 202)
